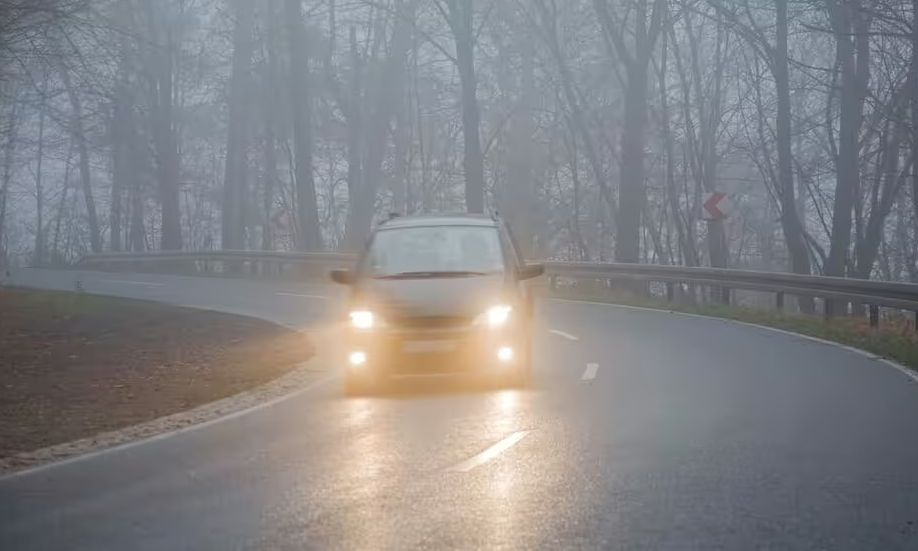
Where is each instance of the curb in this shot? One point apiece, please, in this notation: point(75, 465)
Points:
point(302, 379)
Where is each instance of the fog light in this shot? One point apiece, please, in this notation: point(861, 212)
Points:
point(505, 353)
point(357, 358)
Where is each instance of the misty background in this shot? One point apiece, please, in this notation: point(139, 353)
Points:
point(596, 127)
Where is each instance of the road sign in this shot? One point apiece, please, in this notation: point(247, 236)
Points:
point(716, 206)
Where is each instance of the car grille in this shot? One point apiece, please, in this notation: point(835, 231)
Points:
point(432, 322)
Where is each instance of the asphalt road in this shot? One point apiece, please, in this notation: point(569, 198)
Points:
point(646, 430)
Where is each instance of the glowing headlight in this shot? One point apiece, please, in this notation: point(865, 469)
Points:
point(497, 316)
point(362, 319)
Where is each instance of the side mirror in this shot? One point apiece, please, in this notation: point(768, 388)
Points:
point(344, 277)
point(530, 271)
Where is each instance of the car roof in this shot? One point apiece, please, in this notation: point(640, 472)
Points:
point(462, 219)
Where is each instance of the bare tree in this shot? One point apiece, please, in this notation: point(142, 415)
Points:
point(79, 136)
point(645, 29)
point(235, 187)
point(9, 151)
point(460, 16)
point(309, 236)
point(161, 74)
point(850, 26)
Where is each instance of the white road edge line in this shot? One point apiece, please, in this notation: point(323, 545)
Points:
point(870, 355)
point(163, 435)
point(567, 336)
point(300, 295)
point(590, 372)
point(129, 282)
point(490, 453)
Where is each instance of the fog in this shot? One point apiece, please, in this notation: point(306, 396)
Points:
point(598, 128)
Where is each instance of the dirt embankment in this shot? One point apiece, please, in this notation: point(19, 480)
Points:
point(73, 365)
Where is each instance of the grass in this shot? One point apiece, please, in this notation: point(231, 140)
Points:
point(896, 338)
point(73, 364)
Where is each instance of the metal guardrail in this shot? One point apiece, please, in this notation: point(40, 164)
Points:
point(221, 262)
point(873, 293)
point(880, 293)
point(251, 256)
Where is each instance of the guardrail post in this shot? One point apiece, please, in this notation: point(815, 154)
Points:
point(779, 301)
point(874, 315)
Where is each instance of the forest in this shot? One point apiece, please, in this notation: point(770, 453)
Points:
point(597, 128)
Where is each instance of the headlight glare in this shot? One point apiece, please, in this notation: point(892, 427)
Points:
point(497, 316)
point(362, 319)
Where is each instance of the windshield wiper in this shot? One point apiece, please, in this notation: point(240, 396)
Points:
point(431, 274)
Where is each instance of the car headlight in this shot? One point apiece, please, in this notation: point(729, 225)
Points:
point(362, 319)
point(496, 316)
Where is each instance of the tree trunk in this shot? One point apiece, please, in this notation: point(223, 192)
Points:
point(79, 135)
point(686, 247)
point(852, 59)
point(136, 233)
point(549, 19)
point(165, 140)
point(58, 217)
point(308, 235)
point(631, 194)
point(636, 60)
point(891, 180)
point(270, 180)
point(391, 76)
point(790, 222)
point(519, 206)
point(122, 132)
point(9, 152)
point(460, 21)
point(913, 104)
point(234, 187)
point(39, 252)
point(357, 210)
point(122, 141)
point(270, 105)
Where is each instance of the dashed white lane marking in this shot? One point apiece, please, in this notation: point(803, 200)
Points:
point(567, 336)
point(590, 372)
point(490, 453)
point(314, 385)
point(300, 295)
point(129, 282)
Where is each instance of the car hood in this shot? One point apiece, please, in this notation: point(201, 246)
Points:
point(443, 296)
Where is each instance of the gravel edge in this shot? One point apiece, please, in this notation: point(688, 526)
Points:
point(304, 375)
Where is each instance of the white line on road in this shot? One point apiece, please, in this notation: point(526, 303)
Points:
point(590, 372)
point(320, 297)
point(129, 282)
point(567, 336)
point(314, 385)
point(490, 453)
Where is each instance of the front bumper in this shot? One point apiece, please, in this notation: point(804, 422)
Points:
point(416, 351)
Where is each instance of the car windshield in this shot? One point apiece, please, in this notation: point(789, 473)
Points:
point(434, 251)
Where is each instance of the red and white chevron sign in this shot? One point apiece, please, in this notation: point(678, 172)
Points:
point(716, 206)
